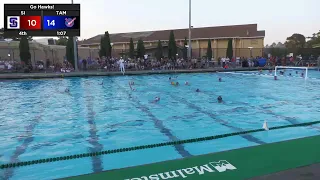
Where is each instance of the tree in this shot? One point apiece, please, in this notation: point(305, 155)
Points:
point(185, 49)
point(209, 50)
point(108, 42)
point(278, 51)
point(131, 49)
point(314, 41)
point(295, 43)
point(62, 41)
point(1, 33)
point(229, 49)
point(24, 49)
point(103, 49)
point(70, 51)
point(140, 49)
point(172, 46)
point(105, 45)
point(159, 53)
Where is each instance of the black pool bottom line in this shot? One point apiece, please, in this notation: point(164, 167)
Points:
point(23, 147)
point(93, 138)
point(222, 122)
point(158, 123)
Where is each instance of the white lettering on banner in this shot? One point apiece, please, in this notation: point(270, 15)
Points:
point(222, 166)
point(219, 166)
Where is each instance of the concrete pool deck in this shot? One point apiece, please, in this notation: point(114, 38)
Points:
point(288, 160)
point(6, 76)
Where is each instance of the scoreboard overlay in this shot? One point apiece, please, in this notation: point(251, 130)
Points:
point(41, 20)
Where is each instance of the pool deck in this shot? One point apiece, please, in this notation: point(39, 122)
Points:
point(297, 159)
point(6, 76)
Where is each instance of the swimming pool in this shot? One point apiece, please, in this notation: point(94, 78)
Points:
point(38, 120)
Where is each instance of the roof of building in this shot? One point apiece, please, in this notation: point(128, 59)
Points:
point(246, 30)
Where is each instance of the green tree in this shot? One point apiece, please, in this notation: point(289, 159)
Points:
point(62, 41)
point(131, 49)
point(105, 45)
point(172, 46)
point(295, 43)
point(24, 49)
point(103, 49)
point(1, 33)
point(185, 49)
point(70, 51)
point(109, 47)
point(314, 41)
point(159, 53)
point(140, 49)
point(278, 52)
point(209, 50)
point(229, 53)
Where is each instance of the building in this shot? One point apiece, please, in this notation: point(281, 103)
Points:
point(247, 40)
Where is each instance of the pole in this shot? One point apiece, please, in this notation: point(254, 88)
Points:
point(75, 51)
point(189, 46)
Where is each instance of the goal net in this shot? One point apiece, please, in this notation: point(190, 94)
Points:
point(291, 71)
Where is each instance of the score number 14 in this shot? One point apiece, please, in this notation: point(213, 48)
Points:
point(51, 23)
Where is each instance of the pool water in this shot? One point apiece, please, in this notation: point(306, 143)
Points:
point(38, 120)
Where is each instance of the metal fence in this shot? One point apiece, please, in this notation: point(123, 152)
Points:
point(47, 54)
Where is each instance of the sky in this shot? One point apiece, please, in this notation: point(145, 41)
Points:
point(279, 18)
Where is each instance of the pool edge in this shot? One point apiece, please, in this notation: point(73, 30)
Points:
point(116, 73)
point(209, 154)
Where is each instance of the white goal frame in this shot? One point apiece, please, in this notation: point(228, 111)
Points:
point(291, 67)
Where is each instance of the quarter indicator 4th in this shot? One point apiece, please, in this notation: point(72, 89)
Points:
point(42, 20)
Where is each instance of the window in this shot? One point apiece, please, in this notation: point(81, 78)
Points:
point(254, 41)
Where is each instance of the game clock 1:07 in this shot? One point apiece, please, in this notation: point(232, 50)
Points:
point(61, 22)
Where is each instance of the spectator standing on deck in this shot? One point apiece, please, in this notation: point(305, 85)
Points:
point(121, 63)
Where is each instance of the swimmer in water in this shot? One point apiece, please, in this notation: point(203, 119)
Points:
point(302, 74)
point(169, 78)
point(198, 90)
point(156, 99)
point(130, 84)
point(67, 90)
point(177, 83)
point(289, 74)
point(220, 80)
point(296, 72)
point(186, 83)
point(219, 99)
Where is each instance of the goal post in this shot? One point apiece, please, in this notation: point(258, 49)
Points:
point(290, 67)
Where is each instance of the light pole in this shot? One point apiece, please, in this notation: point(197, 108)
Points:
point(75, 51)
point(189, 44)
point(9, 52)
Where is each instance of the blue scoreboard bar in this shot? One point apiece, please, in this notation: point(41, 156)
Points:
point(61, 22)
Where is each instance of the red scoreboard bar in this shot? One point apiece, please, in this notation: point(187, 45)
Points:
point(30, 22)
